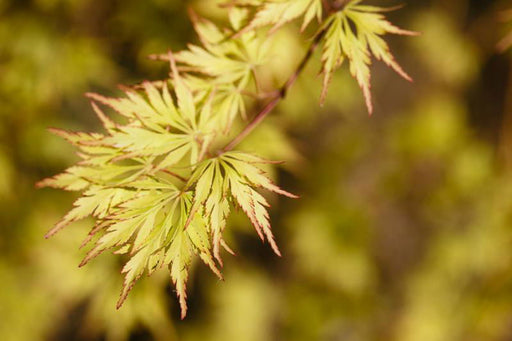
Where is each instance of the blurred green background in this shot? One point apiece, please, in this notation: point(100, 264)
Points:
point(404, 227)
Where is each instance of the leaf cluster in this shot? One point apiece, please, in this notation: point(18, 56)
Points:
point(143, 208)
point(156, 182)
point(349, 31)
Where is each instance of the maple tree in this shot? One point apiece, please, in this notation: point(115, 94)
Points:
point(162, 182)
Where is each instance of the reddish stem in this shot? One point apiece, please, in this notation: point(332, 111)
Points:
point(279, 95)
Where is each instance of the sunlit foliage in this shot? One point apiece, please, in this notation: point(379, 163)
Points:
point(157, 186)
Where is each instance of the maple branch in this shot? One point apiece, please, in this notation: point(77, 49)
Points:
point(279, 94)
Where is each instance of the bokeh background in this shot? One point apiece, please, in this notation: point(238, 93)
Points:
point(404, 227)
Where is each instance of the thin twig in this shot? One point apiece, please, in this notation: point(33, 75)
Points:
point(338, 5)
point(327, 6)
point(280, 94)
point(177, 176)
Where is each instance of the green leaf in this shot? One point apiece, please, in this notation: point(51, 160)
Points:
point(233, 175)
point(179, 257)
point(95, 202)
point(354, 34)
point(276, 13)
point(228, 63)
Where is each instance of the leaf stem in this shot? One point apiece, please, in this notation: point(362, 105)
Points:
point(177, 176)
point(333, 6)
point(279, 94)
